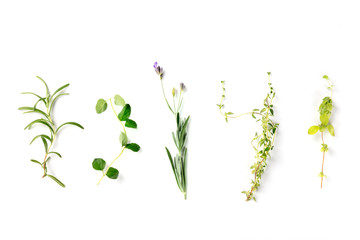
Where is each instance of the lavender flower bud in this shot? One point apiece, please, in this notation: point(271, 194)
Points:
point(182, 86)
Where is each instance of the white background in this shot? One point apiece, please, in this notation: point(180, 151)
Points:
point(105, 48)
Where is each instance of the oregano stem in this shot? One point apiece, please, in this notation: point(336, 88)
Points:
point(322, 167)
point(112, 106)
point(104, 174)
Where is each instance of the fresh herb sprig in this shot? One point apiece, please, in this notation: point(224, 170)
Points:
point(47, 120)
point(123, 117)
point(325, 109)
point(263, 142)
point(178, 163)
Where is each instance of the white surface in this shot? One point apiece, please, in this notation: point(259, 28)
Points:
point(107, 47)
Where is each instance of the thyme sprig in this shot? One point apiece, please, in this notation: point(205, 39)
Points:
point(178, 163)
point(325, 109)
point(99, 164)
point(47, 120)
point(262, 142)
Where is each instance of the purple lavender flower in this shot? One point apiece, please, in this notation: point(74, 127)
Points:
point(159, 70)
point(182, 86)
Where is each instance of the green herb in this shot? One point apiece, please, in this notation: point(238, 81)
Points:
point(46, 120)
point(178, 163)
point(325, 113)
point(123, 116)
point(262, 142)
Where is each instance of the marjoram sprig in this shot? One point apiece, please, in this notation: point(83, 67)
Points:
point(262, 142)
point(325, 113)
point(47, 121)
point(178, 163)
point(99, 164)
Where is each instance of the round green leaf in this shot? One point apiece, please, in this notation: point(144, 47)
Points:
point(125, 113)
point(101, 106)
point(98, 164)
point(324, 118)
point(123, 139)
point(130, 123)
point(112, 173)
point(133, 147)
point(331, 130)
point(312, 130)
point(119, 100)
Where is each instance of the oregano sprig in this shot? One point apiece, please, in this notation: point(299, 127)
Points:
point(47, 120)
point(262, 142)
point(178, 163)
point(124, 118)
point(325, 110)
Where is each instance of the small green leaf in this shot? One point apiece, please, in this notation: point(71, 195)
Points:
point(331, 130)
point(312, 130)
point(119, 100)
point(130, 123)
point(123, 139)
point(112, 173)
point(324, 118)
point(125, 113)
point(101, 106)
point(98, 164)
point(326, 77)
point(133, 147)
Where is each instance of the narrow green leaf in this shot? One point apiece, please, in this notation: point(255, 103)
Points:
point(42, 135)
point(172, 166)
point(41, 121)
point(47, 159)
point(54, 100)
point(69, 123)
point(98, 164)
point(56, 153)
point(32, 109)
point(123, 139)
point(130, 123)
point(35, 161)
point(125, 113)
point(312, 130)
point(45, 144)
point(101, 106)
point(119, 100)
point(133, 147)
point(47, 88)
point(59, 89)
point(112, 173)
point(56, 180)
point(32, 94)
point(331, 130)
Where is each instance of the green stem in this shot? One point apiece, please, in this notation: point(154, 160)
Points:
point(110, 166)
point(112, 106)
point(162, 86)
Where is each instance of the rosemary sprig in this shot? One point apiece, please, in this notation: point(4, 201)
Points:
point(123, 116)
point(178, 163)
point(262, 142)
point(325, 113)
point(46, 120)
